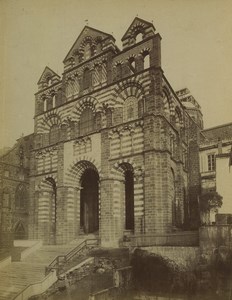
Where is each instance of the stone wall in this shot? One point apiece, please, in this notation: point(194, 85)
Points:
point(186, 258)
point(214, 236)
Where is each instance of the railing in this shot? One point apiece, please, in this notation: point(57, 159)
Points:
point(122, 283)
point(186, 238)
point(60, 260)
point(37, 287)
point(106, 294)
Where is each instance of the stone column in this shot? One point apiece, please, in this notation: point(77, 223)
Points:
point(111, 218)
point(139, 202)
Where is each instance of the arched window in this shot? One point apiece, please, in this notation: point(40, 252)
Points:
point(86, 121)
point(172, 147)
point(54, 134)
point(140, 108)
point(118, 71)
point(132, 64)
point(108, 117)
point(86, 78)
point(99, 47)
point(21, 196)
point(6, 203)
point(139, 37)
point(87, 51)
point(173, 197)
point(129, 199)
point(99, 74)
point(130, 109)
point(166, 104)
point(45, 104)
point(146, 60)
point(177, 117)
point(69, 88)
point(53, 100)
point(49, 81)
point(72, 61)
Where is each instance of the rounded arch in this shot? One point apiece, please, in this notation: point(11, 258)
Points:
point(48, 181)
point(137, 32)
point(178, 117)
point(130, 109)
point(132, 64)
point(119, 168)
point(54, 134)
point(87, 102)
point(50, 118)
point(98, 41)
point(88, 40)
point(77, 169)
point(69, 91)
point(87, 121)
point(130, 88)
point(47, 77)
point(145, 58)
point(89, 199)
point(118, 70)
point(87, 78)
point(125, 171)
point(166, 102)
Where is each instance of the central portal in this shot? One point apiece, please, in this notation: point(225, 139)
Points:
point(89, 201)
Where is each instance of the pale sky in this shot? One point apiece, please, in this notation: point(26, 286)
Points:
point(196, 49)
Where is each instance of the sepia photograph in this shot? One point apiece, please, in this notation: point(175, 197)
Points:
point(115, 150)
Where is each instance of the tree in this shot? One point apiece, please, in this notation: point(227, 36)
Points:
point(209, 201)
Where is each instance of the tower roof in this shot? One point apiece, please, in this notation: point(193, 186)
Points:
point(47, 73)
point(136, 25)
point(87, 34)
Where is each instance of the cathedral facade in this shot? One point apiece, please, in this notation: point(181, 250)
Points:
point(115, 149)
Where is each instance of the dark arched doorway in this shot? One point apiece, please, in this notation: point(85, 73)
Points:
point(129, 199)
point(52, 195)
point(89, 201)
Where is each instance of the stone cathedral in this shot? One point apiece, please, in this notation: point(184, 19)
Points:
point(114, 150)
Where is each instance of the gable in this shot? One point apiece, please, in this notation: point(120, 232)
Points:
point(138, 25)
point(47, 74)
point(89, 36)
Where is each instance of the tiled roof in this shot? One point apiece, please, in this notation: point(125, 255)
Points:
point(220, 132)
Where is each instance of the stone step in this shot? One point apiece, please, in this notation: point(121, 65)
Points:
point(18, 275)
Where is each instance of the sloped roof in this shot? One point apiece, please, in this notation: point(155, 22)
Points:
point(47, 72)
point(221, 132)
point(137, 22)
point(87, 31)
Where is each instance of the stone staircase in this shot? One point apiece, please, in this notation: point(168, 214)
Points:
point(18, 275)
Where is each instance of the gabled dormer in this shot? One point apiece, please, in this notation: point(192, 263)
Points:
point(48, 78)
point(89, 43)
point(137, 31)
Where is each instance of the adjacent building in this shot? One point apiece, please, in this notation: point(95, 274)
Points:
point(215, 164)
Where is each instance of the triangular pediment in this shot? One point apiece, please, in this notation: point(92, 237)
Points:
point(137, 25)
point(88, 35)
point(47, 74)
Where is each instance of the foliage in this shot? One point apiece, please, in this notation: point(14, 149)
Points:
point(154, 273)
point(210, 200)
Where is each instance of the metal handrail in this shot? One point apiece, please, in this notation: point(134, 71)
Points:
point(166, 239)
point(60, 260)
